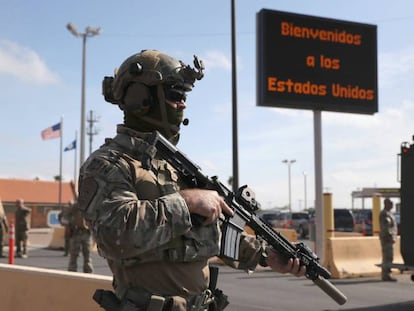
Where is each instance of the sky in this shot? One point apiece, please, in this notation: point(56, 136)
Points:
point(40, 77)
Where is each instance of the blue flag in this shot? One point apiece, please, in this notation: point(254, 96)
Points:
point(71, 146)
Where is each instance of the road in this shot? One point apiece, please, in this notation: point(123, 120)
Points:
point(265, 290)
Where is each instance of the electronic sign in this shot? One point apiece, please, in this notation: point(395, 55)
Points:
point(307, 62)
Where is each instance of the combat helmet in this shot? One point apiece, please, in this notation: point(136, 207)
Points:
point(142, 84)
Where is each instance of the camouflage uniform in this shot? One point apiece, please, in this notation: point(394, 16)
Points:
point(80, 239)
point(63, 218)
point(22, 220)
point(142, 225)
point(388, 233)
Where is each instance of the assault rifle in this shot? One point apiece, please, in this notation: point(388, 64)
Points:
point(244, 205)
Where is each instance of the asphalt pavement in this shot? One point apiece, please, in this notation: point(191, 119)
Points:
point(262, 290)
point(41, 256)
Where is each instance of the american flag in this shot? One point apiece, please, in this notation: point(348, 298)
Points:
point(52, 132)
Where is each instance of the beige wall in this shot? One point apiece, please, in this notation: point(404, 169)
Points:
point(33, 289)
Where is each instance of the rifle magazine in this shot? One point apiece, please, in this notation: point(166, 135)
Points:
point(230, 240)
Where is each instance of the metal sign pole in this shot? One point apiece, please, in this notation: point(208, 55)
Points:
point(319, 221)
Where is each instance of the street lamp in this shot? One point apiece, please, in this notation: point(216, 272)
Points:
point(289, 163)
point(89, 32)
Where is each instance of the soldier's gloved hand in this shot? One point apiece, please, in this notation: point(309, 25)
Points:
point(206, 203)
point(277, 264)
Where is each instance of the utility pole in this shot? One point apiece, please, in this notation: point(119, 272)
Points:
point(92, 130)
point(289, 163)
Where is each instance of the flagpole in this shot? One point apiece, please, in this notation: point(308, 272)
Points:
point(75, 152)
point(60, 162)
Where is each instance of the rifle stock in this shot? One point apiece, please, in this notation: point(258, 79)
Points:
point(244, 204)
point(74, 192)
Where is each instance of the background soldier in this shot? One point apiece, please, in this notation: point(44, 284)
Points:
point(64, 219)
point(22, 220)
point(138, 206)
point(4, 228)
point(80, 239)
point(388, 234)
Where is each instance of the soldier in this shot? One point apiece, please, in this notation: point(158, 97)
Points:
point(22, 220)
point(4, 228)
point(80, 239)
point(388, 234)
point(138, 206)
point(63, 218)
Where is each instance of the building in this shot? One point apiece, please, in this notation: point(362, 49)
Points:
point(40, 196)
point(369, 193)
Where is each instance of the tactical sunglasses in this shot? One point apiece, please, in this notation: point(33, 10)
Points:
point(175, 94)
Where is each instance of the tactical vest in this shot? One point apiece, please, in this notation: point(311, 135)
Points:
point(388, 227)
point(152, 178)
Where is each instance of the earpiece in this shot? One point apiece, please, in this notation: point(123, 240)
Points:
point(137, 98)
point(107, 89)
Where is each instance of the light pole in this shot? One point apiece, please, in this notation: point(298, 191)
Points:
point(89, 32)
point(289, 163)
point(305, 190)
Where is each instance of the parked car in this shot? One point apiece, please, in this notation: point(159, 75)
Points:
point(343, 220)
point(300, 222)
point(363, 221)
point(275, 219)
point(283, 220)
point(268, 217)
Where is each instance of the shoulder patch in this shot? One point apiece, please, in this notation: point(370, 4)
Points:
point(87, 191)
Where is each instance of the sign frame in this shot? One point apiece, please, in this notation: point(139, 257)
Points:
point(309, 62)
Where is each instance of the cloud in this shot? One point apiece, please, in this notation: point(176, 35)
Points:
point(217, 59)
point(393, 66)
point(24, 64)
point(358, 150)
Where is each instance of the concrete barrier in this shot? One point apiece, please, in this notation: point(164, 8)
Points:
point(26, 289)
point(289, 234)
point(350, 257)
point(338, 234)
point(58, 238)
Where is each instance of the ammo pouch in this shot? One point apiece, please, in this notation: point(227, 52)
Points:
point(211, 299)
point(109, 302)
